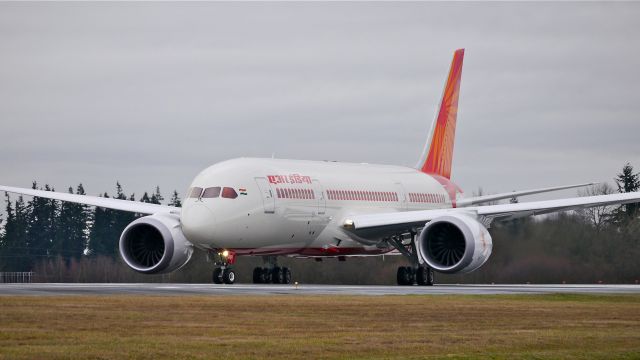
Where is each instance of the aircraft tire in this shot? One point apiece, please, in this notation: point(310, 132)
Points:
point(411, 274)
point(266, 276)
point(257, 276)
point(229, 276)
point(277, 275)
point(286, 276)
point(422, 275)
point(217, 276)
point(430, 277)
point(404, 276)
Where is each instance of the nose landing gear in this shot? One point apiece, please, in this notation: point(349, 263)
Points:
point(223, 273)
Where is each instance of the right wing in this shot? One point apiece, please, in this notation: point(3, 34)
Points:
point(115, 204)
point(486, 198)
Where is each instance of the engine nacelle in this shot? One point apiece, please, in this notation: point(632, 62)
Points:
point(155, 244)
point(454, 244)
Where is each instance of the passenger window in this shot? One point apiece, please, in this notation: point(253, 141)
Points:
point(229, 193)
point(195, 192)
point(212, 192)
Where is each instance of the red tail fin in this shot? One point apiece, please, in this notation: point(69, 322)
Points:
point(438, 152)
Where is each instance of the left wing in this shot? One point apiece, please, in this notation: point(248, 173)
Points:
point(396, 221)
point(115, 204)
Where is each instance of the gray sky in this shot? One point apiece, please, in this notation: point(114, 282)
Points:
point(151, 93)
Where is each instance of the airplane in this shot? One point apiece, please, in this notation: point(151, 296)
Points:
point(275, 207)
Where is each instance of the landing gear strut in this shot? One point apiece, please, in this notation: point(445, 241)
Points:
point(271, 273)
point(223, 273)
point(416, 273)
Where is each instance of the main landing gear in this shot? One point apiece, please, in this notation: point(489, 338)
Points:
point(416, 273)
point(422, 275)
point(223, 273)
point(271, 273)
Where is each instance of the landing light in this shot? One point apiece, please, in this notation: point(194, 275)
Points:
point(225, 253)
point(348, 224)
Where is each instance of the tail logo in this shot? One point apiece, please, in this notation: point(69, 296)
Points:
point(440, 148)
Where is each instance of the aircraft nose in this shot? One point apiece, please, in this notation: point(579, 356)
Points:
point(198, 222)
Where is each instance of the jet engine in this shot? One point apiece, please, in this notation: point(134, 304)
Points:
point(454, 244)
point(155, 244)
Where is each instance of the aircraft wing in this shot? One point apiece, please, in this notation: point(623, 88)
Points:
point(395, 221)
point(486, 198)
point(115, 204)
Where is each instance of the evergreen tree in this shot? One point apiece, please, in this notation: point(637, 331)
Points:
point(1, 232)
point(63, 229)
point(145, 198)
point(101, 232)
point(71, 237)
point(175, 199)
point(41, 218)
point(121, 218)
point(627, 181)
point(15, 248)
point(157, 198)
point(8, 235)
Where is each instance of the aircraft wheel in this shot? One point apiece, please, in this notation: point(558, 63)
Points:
point(412, 275)
point(277, 275)
point(217, 276)
point(286, 276)
point(431, 278)
point(265, 276)
point(228, 276)
point(422, 275)
point(405, 275)
point(257, 275)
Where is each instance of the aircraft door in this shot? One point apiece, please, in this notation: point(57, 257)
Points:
point(320, 196)
point(402, 196)
point(268, 198)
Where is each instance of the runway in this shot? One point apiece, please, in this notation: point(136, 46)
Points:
point(250, 289)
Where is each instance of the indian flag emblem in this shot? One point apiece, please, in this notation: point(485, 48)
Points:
point(243, 191)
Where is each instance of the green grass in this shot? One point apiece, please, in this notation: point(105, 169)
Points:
point(312, 327)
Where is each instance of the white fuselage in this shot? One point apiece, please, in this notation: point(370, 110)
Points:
point(295, 207)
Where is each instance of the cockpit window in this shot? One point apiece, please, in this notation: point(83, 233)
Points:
point(195, 192)
point(212, 192)
point(229, 193)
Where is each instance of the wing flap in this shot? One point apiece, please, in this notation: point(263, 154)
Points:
point(115, 204)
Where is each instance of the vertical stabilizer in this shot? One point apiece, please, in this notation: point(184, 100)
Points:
point(438, 151)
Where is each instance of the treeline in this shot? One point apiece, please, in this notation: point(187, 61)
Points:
point(73, 243)
point(36, 231)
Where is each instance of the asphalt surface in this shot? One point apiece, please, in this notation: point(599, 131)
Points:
point(251, 289)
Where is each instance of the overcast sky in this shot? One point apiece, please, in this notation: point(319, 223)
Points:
point(151, 93)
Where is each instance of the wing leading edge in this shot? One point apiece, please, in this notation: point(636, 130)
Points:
point(115, 204)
